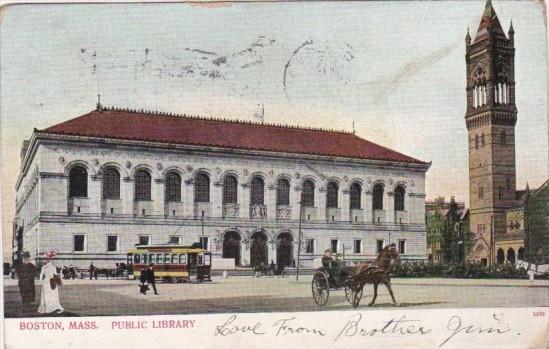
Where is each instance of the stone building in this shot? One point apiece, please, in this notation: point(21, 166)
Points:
point(93, 187)
point(447, 224)
point(536, 224)
point(490, 118)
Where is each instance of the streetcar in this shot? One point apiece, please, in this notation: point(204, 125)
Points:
point(171, 262)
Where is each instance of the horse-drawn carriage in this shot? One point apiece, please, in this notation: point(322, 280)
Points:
point(353, 278)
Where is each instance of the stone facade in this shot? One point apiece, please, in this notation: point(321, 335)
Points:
point(78, 228)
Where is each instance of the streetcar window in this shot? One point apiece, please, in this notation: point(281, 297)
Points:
point(174, 259)
point(130, 258)
point(144, 258)
point(201, 259)
point(207, 259)
point(136, 259)
point(159, 259)
point(183, 258)
point(151, 258)
point(167, 258)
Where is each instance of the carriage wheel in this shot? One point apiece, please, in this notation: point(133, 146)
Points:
point(320, 288)
point(356, 295)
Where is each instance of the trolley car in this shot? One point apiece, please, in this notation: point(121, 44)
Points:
point(171, 262)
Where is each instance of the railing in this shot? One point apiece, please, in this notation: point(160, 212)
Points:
point(333, 214)
point(77, 205)
point(142, 208)
point(379, 216)
point(258, 211)
point(357, 215)
point(231, 210)
point(309, 213)
point(202, 209)
point(173, 209)
point(283, 212)
point(401, 217)
point(111, 207)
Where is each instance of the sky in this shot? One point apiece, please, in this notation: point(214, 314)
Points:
point(396, 70)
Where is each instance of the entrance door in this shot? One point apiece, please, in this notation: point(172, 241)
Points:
point(285, 250)
point(258, 249)
point(231, 246)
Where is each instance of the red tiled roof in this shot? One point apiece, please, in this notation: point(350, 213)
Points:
point(145, 126)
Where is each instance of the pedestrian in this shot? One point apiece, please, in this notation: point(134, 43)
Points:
point(144, 287)
point(26, 272)
point(91, 270)
point(49, 301)
point(72, 272)
point(151, 278)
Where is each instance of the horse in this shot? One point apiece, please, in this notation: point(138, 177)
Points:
point(377, 272)
point(533, 269)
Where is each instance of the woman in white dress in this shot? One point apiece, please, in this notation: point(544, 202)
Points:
point(49, 301)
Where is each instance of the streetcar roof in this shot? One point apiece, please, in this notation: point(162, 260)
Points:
point(166, 249)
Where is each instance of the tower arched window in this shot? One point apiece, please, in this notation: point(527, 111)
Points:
point(173, 187)
point(111, 183)
point(142, 185)
point(283, 192)
point(480, 192)
point(202, 188)
point(257, 191)
point(331, 194)
point(230, 190)
point(476, 141)
point(78, 182)
point(377, 202)
point(308, 194)
point(503, 138)
point(356, 195)
point(399, 198)
point(482, 140)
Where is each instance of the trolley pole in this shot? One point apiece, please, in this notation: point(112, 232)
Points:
point(299, 242)
point(202, 225)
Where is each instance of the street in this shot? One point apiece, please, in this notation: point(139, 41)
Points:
point(247, 294)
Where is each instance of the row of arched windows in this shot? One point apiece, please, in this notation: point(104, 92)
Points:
point(78, 187)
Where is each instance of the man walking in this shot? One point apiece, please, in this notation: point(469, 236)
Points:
point(26, 273)
point(151, 278)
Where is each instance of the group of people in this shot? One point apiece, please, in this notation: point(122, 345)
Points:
point(49, 296)
point(147, 278)
point(68, 273)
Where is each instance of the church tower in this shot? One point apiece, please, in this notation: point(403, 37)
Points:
point(490, 118)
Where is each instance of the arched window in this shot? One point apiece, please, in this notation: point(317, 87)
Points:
point(482, 140)
point(356, 192)
point(142, 185)
point(78, 182)
point(503, 138)
point(399, 198)
point(283, 192)
point(172, 187)
point(257, 191)
point(308, 194)
point(202, 188)
point(331, 194)
point(230, 190)
point(377, 202)
point(476, 141)
point(480, 192)
point(111, 183)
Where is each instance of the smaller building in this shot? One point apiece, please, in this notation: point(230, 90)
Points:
point(536, 224)
point(447, 224)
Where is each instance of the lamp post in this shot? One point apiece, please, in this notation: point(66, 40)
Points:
point(299, 242)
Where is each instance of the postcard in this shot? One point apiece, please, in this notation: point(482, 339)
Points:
point(303, 174)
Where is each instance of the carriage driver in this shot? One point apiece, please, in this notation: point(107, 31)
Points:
point(331, 266)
